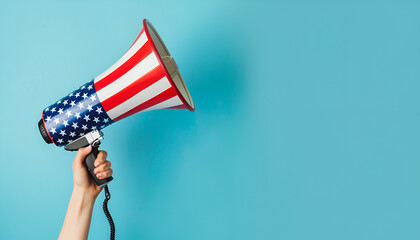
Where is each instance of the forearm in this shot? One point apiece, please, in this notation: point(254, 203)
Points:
point(79, 213)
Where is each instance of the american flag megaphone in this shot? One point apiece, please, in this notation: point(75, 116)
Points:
point(145, 78)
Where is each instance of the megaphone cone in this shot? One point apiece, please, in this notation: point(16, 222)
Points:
point(145, 78)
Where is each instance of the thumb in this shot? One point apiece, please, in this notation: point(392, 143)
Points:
point(81, 155)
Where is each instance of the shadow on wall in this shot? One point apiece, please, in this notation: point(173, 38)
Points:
point(212, 67)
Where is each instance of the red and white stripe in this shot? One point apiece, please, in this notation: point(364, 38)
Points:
point(137, 82)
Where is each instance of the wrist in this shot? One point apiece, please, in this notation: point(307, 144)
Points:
point(84, 194)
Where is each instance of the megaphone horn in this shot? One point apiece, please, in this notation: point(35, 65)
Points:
point(145, 78)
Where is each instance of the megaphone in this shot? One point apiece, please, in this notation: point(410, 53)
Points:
point(145, 78)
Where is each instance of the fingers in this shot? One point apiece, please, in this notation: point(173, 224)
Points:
point(102, 166)
point(101, 158)
point(105, 174)
point(81, 155)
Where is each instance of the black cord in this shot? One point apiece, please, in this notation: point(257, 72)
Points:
point(107, 214)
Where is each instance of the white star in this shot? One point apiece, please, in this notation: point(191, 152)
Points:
point(86, 118)
point(74, 125)
point(68, 113)
point(80, 105)
point(71, 95)
point(85, 95)
point(65, 102)
point(102, 126)
point(52, 130)
point(96, 119)
point(56, 121)
point(65, 123)
point(93, 128)
point(58, 102)
point(83, 87)
point(60, 110)
point(93, 97)
point(106, 120)
point(53, 109)
point(90, 87)
point(77, 115)
point(72, 103)
point(81, 134)
point(60, 140)
point(89, 107)
point(84, 127)
point(62, 133)
point(47, 109)
point(48, 118)
point(69, 141)
point(72, 134)
point(98, 110)
point(77, 94)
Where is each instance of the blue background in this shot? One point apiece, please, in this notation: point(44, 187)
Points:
point(307, 120)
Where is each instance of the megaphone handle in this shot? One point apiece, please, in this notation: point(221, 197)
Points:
point(90, 165)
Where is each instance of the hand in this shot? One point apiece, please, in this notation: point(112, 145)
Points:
point(82, 180)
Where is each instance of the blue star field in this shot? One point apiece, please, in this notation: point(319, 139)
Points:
point(75, 115)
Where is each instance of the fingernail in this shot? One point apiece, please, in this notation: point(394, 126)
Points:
point(98, 175)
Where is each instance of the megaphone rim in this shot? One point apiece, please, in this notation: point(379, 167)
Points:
point(191, 106)
point(43, 127)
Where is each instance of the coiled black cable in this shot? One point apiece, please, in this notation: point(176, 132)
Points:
point(107, 214)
